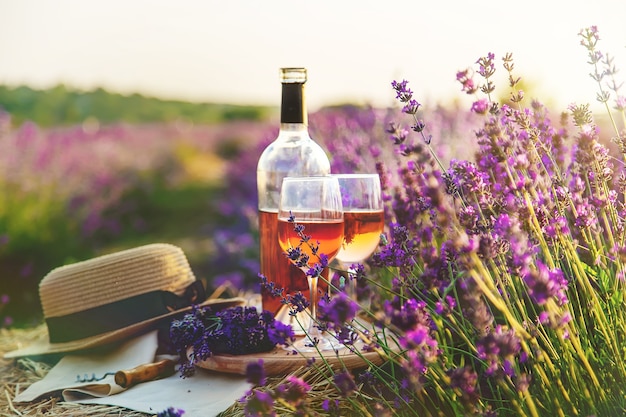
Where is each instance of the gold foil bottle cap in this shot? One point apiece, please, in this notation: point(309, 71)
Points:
point(293, 75)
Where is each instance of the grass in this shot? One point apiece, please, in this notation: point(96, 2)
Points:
point(171, 214)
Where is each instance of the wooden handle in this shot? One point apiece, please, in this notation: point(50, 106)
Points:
point(143, 373)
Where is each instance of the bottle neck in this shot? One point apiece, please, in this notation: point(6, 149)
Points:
point(293, 105)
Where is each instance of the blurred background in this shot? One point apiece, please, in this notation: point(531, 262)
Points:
point(132, 122)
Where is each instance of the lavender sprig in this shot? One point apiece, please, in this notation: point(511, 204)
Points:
point(298, 255)
point(589, 40)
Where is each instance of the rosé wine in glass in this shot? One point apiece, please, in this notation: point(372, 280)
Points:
point(363, 221)
point(310, 216)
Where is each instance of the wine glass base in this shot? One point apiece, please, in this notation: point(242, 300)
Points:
point(298, 322)
point(318, 342)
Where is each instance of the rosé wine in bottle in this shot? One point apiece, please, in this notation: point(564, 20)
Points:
point(293, 153)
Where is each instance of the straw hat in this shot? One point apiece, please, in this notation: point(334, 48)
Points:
point(113, 297)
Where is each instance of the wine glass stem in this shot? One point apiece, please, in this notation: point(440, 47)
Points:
point(351, 284)
point(313, 300)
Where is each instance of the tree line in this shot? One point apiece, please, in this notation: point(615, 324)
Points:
point(62, 105)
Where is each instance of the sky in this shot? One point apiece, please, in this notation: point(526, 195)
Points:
point(230, 51)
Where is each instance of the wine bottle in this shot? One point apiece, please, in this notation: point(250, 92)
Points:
point(292, 153)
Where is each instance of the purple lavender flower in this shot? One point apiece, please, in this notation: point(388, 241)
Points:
point(509, 229)
point(408, 314)
point(473, 306)
point(297, 303)
point(469, 219)
point(396, 134)
point(255, 373)
point(294, 390)
point(498, 348)
point(271, 287)
point(544, 284)
point(421, 347)
point(411, 107)
point(345, 383)
point(399, 251)
point(473, 184)
point(415, 367)
point(171, 412)
point(445, 306)
point(487, 67)
point(316, 270)
point(331, 407)
point(259, 404)
point(336, 311)
point(186, 331)
point(403, 93)
point(465, 379)
point(480, 106)
point(467, 83)
point(281, 334)
point(298, 257)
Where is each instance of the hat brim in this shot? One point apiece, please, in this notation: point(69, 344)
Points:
point(44, 347)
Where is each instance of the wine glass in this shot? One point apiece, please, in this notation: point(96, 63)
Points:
point(310, 222)
point(363, 222)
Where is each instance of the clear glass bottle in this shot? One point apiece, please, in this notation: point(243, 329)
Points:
point(292, 153)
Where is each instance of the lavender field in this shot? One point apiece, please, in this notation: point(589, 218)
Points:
point(73, 192)
point(70, 193)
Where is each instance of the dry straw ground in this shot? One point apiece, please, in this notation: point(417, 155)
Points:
point(17, 375)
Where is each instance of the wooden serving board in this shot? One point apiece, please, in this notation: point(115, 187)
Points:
point(282, 362)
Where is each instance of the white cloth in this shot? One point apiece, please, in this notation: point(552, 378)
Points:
point(204, 394)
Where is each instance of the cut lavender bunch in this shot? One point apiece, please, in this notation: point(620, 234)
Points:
point(236, 330)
